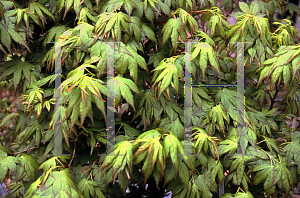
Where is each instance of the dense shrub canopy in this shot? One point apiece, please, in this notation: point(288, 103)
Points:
point(150, 62)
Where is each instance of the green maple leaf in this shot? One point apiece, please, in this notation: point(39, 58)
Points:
point(8, 34)
point(122, 88)
point(152, 152)
point(121, 158)
point(174, 126)
point(86, 14)
point(206, 53)
point(172, 147)
point(148, 108)
point(204, 142)
point(29, 164)
point(7, 163)
point(217, 21)
point(53, 33)
point(76, 4)
point(237, 171)
point(283, 66)
point(111, 24)
point(58, 184)
point(148, 9)
point(127, 5)
point(90, 188)
point(292, 148)
point(273, 173)
point(25, 14)
point(217, 114)
point(172, 68)
point(271, 143)
point(126, 58)
point(172, 28)
point(228, 145)
point(198, 94)
point(228, 98)
point(19, 68)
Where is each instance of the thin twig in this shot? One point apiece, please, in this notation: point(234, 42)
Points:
point(73, 153)
point(24, 151)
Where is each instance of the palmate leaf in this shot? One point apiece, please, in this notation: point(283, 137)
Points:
point(131, 62)
point(7, 163)
point(228, 98)
point(86, 14)
point(283, 66)
point(121, 158)
point(228, 145)
point(206, 53)
point(148, 108)
point(198, 186)
point(217, 21)
point(217, 114)
point(284, 34)
point(292, 8)
point(23, 15)
point(148, 32)
point(273, 173)
point(172, 147)
point(198, 94)
point(147, 8)
point(90, 188)
point(205, 142)
point(255, 119)
point(8, 33)
point(123, 87)
point(128, 6)
point(53, 33)
point(111, 24)
point(172, 69)
point(176, 126)
point(40, 10)
point(20, 69)
point(173, 28)
point(126, 58)
point(186, 18)
point(292, 148)
point(257, 27)
point(76, 4)
point(83, 97)
point(152, 153)
point(237, 171)
point(29, 164)
point(271, 143)
point(79, 104)
point(78, 40)
point(33, 93)
point(136, 27)
point(58, 184)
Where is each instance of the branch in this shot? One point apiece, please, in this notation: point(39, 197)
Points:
point(27, 150)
